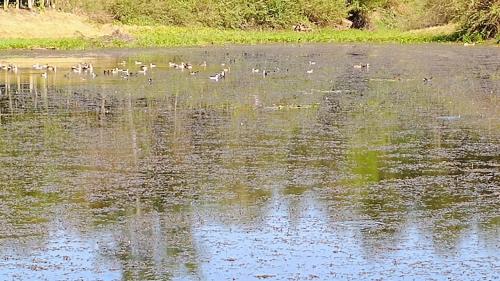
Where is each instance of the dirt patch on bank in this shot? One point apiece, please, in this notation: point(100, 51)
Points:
point(49, 24)
point(441, 29)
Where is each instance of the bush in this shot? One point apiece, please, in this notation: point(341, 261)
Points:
point(476, 18)
point(216, 13)
point(144, 12)
point(275, 13)
point(442, 12)
point(481, 20)
point(359, 14)
point(323, 12)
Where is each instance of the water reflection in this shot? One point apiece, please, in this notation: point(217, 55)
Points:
point(341, 174)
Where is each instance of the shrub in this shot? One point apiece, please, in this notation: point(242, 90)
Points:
point(359, 14)
point(229, 13)
point(323, 12)
point(481, 20)
point(476, 18)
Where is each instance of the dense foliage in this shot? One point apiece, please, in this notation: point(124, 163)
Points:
point(481, 19)
point(475, 18)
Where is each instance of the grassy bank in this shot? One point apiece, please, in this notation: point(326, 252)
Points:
point(91, 24)
point(178, 36)
point(163, 36)
point(476, 20)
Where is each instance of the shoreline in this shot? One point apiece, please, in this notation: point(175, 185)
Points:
point(171, 36)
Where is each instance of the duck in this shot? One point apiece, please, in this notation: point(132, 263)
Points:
point(427, 79)
point(138, 62)
point(51, 68)
point(87, 67)
point(358, 66)
point(218, 76)
point(255, 70)
point(172, 64)
point(125, 72)
point(152, 65)
point(77, 68)
point(310, 71)
point(12, 68)
point(312, 63)
point(44, 75)
point(449, 118)
point(215, 77)
point(203, 64)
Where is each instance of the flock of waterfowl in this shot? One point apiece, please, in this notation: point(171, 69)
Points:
point(85, 68)
point(145, 68)
point(141, 68)
point(9, 67)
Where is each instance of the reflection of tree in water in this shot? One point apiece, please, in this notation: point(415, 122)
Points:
point(392, 154)
point(350, 110)
point(299, 160)
point(29, 179)
point(185, 154)
point(134, 162)
point(241, 180)
point(157, 244)
point(444, 205)
point(103, 179)
point(163, 236)
point(310, 160)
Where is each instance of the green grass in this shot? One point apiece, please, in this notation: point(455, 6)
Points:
point(181, 36)
point(33, 43)
point(164, 36)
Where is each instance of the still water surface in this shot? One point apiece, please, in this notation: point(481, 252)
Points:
point(340, 174)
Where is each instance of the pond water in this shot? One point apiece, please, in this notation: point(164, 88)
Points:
point(319, 170)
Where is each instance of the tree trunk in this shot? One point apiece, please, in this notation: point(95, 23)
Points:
point(5, 4)
point(30, 4)
point(17, 4)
